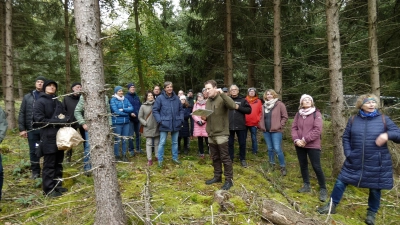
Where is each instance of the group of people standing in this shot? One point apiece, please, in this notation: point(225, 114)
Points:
point(368, 163)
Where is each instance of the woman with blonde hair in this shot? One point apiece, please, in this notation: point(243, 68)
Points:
point(273, 119)
point(368, 162)
point(306, 135)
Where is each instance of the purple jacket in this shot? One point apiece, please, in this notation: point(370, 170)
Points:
point(309, 128)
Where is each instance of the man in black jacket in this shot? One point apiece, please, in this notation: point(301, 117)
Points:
point(50, 112)
point(25, 125)
point(237, 124)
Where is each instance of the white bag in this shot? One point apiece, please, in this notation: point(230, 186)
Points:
point(68, 137)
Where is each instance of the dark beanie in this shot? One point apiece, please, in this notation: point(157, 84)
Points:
point(40, 78)
point(74, 84)
point(130, 85)
point(47, 82)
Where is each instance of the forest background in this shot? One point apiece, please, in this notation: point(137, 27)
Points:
point(229, 41)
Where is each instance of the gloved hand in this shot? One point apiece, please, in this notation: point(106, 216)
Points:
point(200, 123)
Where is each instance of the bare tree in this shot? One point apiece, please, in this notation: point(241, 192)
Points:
point(109, 209)
point(373, 47)
point(9, 95)
point(336, 82)
point(277, 48)
point(228, 80)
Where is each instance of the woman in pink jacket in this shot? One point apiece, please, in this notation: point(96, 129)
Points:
point(199, 130)
point(306, 135)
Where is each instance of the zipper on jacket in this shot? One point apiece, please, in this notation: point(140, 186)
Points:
point(363, 153)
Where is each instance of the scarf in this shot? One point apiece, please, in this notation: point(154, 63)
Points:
point(251, 100)
point(270, 104)
point(202, 102)
point(305, 112)
point(370, 115)
point(119, 98)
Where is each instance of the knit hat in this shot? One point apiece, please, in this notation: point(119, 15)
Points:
point(74, 84)
point(306, 96)
point(252, 89)
point(48, 82)
point(40, 78)
point(117, 88)
point(190, 90)
point(130, 85)
point(182, 97)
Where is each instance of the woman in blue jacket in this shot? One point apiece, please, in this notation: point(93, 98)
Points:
point(120, 109)
point(368, 162)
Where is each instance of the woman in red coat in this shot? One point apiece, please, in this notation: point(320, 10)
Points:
point(253, 118)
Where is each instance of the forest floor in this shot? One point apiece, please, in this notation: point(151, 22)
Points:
point(178, 192)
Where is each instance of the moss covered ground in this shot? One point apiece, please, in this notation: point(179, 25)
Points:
point(178, 192)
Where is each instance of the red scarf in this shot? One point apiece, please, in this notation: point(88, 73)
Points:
point(251, 100)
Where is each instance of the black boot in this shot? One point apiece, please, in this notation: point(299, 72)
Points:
point(214, 180)
point(227, 185)
point(370, 220)
point(325, 209)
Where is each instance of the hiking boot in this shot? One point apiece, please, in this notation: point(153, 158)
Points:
point(243, 163)
point(177, 162)
point(283, 171)
point(305, 188)
point(35, 176)
point(323, 194)
point(54, 194)
point(150, 162)
point(325, 209)
point(213, 180)
point(61, 189)
point(227, 185)
point(160, 164)
point(370, 220)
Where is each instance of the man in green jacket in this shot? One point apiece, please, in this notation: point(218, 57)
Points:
point(218, 133)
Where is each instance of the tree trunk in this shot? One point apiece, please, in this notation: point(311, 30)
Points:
point(138, 48)
point(251, 65)
point(336, 82)
point(9, 95)
point(18, 76)
point(277, 49)
point(3, 47)
point(67, 53)
point(109, 209)
point(228, 43)
point(373, 47)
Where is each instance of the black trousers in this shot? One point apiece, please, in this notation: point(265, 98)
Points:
point(315, 158)
point(33, 139)
point(52, 169)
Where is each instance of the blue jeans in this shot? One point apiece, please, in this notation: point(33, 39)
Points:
point(134, 129)
point(241, 135)
point(274, 143)
point(253, 133)
point(121, 130)
point(1, 176)
point(374, 199)
point(163, 137)
point(86, 151)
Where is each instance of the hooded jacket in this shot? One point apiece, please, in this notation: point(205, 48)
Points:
point(133, 98)
point(309, 128)
point(168, 112)
point(237, 119)
point(368, 165)
point(199, 131)
point(120, 117)
point(48, 110)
